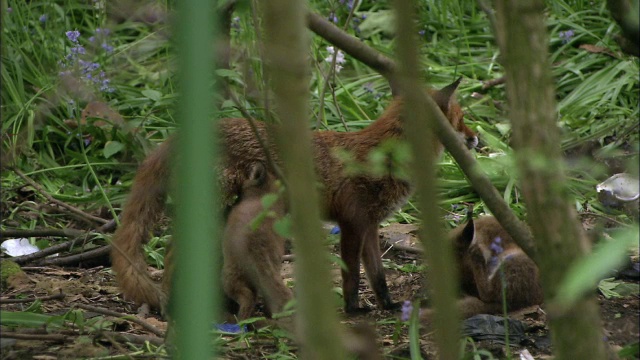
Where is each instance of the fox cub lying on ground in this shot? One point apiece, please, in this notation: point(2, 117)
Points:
point(486, 255)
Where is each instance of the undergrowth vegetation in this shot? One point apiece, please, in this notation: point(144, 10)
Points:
point(88, 88)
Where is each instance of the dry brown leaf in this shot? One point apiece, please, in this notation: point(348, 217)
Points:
point(598, 50)
point(101, 110)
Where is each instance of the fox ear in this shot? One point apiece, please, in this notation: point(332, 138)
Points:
point(443, 96)
point(257, 173)
point(469, 231)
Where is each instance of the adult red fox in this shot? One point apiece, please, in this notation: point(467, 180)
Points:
point(487, 256)
point(358, 203)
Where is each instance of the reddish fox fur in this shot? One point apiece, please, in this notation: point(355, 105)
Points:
point(479, 270)
point(357, 203)
point(253, 258)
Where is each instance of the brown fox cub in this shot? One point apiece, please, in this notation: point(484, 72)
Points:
point(253, 257)
point(357, 203)
point(484, 250)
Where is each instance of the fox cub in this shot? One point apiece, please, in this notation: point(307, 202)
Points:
point(253, 257)
point(486, 256)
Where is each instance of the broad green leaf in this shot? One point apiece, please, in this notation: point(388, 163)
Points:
point(152, 94)
point(587, 271)
point(111, 148)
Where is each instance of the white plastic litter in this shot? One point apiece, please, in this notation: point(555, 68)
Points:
point(18, 247)
point(526, 355)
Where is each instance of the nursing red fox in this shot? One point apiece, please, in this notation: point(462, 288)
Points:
point(358, 203)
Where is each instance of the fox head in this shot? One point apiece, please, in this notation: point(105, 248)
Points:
point(446, 100)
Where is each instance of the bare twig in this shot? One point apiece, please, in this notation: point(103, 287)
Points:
point(42, 337)
point(131, 318)
point(332, 72)
point(405, 248)
point(135, 339)
point(109, 226)
point(493, 82)
point(26, 233)
point(354, 47)
point(58, 296)
point(77, 258)
point(44, 193)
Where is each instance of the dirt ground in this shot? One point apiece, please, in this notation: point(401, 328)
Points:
point(94, 290)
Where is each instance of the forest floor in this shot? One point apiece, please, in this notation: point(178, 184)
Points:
point(94, 290)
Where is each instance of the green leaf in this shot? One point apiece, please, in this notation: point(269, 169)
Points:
point(152, 94)
point(111, 148)
point(586, 272)
point(382, 21)
point(612, 288)
point(28, 319)
point(268, 200)
point(282, 226)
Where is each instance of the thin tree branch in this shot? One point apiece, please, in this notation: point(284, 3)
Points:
point(58, 296)
point(26, 233)
point(354, 47)
point(77, 258)
point(133, 338)
point(43, 337)
point(65, 246)
point(44, 193)
point(131, 318)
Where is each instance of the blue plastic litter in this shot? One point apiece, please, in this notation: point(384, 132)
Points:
point(335, 230)
point(230, 328)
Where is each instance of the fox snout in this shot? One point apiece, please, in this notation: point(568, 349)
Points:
point(471, 141)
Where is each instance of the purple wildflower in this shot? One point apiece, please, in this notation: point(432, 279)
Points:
point(235, 23)
point(368, 87)
point(496, 246)
point(78, 50)
point(73, 35)
point(333, 18)
point(103, 32)
point(422, 32)
point(340, 60)
point(43, 18)
point(407, 308)
point(108, 48)
point(566, 36)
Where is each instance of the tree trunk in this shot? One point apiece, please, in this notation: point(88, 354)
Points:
point(420, 118)
point(576, 334)
point(286, 50)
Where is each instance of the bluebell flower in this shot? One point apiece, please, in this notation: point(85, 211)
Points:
point(496, 246)
point(108, 48)
point(422, 32)
point(340, 60)
point(9, 10)
point(85, 69)
point(73, 35)
point(43, 18)
point(566, 36)
point(235, 23)
point(368, 87)
point(407, 308)
point(333, 17)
